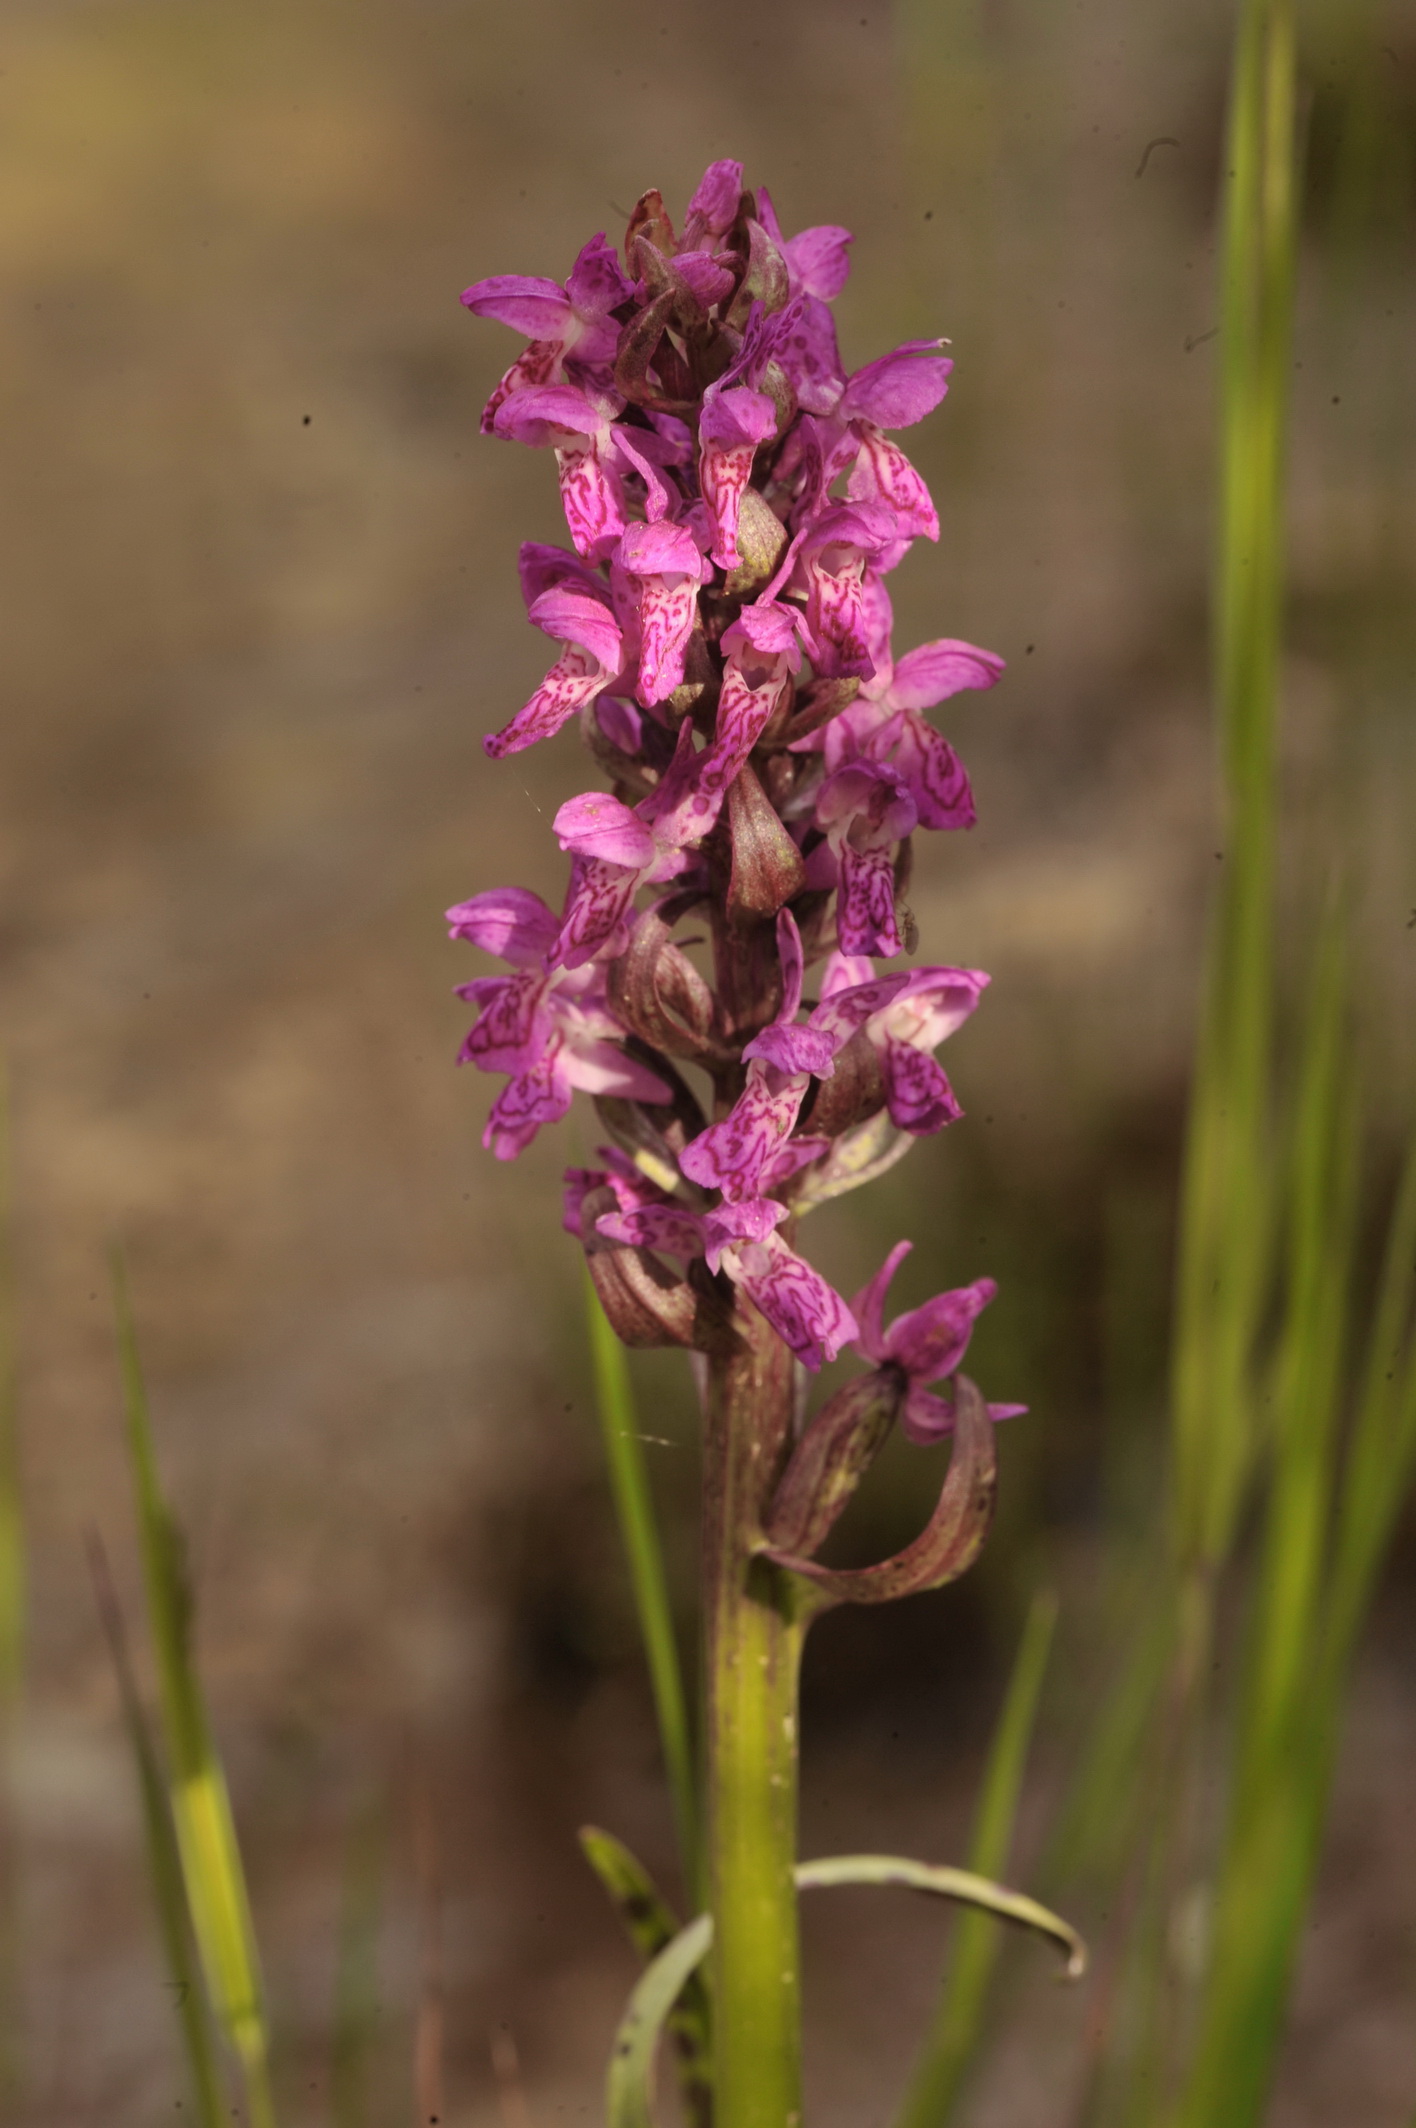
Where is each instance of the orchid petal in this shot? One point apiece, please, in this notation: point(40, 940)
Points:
point(575, 679)
point(508, 921)
point(934, 671)
point(866, 921)
point(869, 1304)
point(805, 1312)
point(532, 305)
point(538, 1096)
point(917, 1092)
point(731, 1155)
point(898, 389)
point(597, 825)
point(930, 1341)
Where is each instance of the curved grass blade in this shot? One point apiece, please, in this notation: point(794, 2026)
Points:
point(212, 1874)
point(631, 2063)
point(164, 1862)
point(950, 2044)
point(634, 1511)
point(653, 1925)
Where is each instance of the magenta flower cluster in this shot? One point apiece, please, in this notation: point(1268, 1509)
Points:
point(735, 502)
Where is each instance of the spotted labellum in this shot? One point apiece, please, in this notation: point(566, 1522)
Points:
point(735, 502)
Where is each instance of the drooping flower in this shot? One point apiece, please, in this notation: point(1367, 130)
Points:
point(924, 1345)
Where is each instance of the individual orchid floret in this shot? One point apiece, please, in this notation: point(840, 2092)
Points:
point(665, 567)
point(582, 620)
point(866, 810)
point(762, 649)
point(902, 1020)
point(831, 562)
point(619, 848)
point(572, 330)
point(924, 1346)
point(578, 426)
point(551, 1029)
point(741, 1240)
point(885, 724)
point(898, 1020)
point(734, 422)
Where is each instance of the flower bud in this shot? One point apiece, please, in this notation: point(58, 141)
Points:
point(659, 994)
point(766, 865)
point(830, 1460)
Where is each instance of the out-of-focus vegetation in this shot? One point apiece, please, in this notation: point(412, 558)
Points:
point(260, 607)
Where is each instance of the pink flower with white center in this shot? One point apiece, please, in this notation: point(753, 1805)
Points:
point(665, 567)
point(581, 619)
point(578, 427)
point(572, 330)
point(925, 1345)
point(549, 1028)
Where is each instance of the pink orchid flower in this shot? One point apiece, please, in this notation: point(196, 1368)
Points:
point(926, 1345)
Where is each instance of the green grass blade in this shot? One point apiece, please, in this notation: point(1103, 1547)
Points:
point(1283, 1743)
point(356, 2005)
point(1227, 1189)
point(652, 1925)
point(1382, 1453)
point(949, 2048)
point(634, 1511)
point(212, 1874)
point(661, 1984)
point(164, 1862)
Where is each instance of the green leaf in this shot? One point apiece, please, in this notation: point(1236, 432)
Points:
point(652, 1925)
point(627, 2090)
point(212, 1875)
point(949, 2048)
point(164, 1862)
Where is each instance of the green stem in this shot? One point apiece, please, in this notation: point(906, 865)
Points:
point(754, 1635)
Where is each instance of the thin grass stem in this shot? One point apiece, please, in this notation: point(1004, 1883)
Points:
point(639, 1534)
point(212, 1872)
point(953, 2039)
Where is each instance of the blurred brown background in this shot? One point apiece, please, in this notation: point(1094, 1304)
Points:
point(258, 579)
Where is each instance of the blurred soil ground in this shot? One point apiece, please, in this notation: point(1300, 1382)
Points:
point(258, 579)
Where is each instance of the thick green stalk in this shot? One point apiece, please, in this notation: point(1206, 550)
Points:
point(754, 1634)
